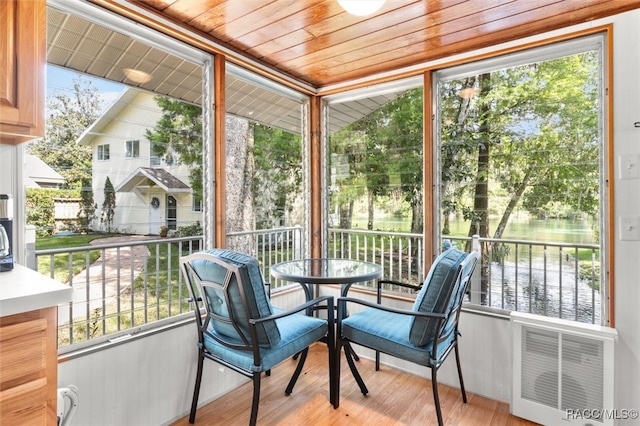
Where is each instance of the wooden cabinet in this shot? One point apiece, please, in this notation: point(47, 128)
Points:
point(29, 368)
point(22, 69)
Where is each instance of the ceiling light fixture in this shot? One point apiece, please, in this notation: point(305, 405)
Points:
point(361, 7)
point(136, 76)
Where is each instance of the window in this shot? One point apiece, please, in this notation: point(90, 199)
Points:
point(103, 152)
point(521, 151)
point(145, 121)
point(196, 204)
point(264, 170)
point(132, 149)
point(374, 177)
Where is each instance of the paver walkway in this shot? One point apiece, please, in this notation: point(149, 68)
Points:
point(89, 284)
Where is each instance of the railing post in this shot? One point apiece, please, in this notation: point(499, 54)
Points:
point(30, 246)
point(475, 294)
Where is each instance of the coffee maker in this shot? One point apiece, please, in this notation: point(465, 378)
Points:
point(6, 233)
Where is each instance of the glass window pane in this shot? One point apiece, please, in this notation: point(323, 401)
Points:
point(520, 160)
point(265, 202)
point(374, 178)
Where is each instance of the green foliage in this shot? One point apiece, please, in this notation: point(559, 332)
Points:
point(61, 261)
point(277, 154)
point(69, 116)
point(88, 207)
point(193, 230)
point(40, 207)
point(109, 204)
point(590, 272)
point(381, 155)
point(537, 125)
point(278, 166)
point(179, 132)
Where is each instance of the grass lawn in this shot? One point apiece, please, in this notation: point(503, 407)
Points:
point(61, 261)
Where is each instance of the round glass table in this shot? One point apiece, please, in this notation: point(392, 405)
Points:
point(326, 271)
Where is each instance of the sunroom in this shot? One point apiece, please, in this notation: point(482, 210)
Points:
point(292, 130)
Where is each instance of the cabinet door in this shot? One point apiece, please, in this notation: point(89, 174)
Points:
point(22, 69)
point(28, 368)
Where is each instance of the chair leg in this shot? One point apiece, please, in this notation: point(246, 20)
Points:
point(353, 352)
point(196, 389)
point(352, 365)
point(303, 356)
point(436, 399)
point(464, 394)
point(256, 399)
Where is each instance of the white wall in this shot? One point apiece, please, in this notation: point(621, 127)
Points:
point(148, 381)
point(143, 382)
point(626, 111)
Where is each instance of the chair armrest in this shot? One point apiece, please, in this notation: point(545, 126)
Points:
point(400, 284)
point(307, 305)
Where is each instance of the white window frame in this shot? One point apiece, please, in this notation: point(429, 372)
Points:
point(103, 152)
point(549, 51)
point(132, 148)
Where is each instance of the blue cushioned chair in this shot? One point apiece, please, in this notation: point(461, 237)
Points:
point(425, 334)
point(238, 327)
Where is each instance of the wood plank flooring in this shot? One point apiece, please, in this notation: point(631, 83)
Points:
point(395, 398)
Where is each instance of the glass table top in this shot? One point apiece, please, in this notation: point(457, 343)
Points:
point(327, 271)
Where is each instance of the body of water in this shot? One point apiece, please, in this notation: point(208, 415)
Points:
point(555, 230)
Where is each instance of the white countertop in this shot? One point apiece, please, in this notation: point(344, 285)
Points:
point(24, 290)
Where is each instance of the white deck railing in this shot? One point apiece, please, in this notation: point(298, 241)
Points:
point(128, 285)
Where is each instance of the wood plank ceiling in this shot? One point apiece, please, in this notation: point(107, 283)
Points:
point(317, 43)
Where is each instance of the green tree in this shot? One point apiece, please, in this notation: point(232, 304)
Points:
point(273, 166)
point(87, 211)
point(108, 205)
point(381, 155)
point(277, 174)
point(179, 132)
point(534, 131)
point(69, 116)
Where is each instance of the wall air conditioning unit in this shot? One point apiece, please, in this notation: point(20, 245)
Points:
point(563, 371)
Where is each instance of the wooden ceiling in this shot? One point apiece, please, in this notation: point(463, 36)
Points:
point(317, 43)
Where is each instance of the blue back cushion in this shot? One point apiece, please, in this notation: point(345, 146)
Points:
point(250, 278)
point(435, 295)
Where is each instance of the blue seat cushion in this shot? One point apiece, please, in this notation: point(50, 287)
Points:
point(435, 295)
point(296, 333)
point(258, 303)
point(389, 333)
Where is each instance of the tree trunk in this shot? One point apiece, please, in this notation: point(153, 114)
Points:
point(480, 219)
point(370, 204)
point(513, 202)
point(239, 174)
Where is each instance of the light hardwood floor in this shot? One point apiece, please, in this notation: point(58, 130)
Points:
point(395, 398)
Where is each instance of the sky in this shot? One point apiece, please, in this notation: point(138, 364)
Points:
point(61, 80)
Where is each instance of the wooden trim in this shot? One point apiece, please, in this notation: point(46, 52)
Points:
point(428, 171)
point(315, 173)
point(219, 143)
point(610, 277)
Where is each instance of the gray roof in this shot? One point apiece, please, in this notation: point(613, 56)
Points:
point(147, 177)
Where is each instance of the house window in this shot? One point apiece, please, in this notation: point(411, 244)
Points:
point(132, 149)
point(196, 204)
point(103, 152)
point(521, 144)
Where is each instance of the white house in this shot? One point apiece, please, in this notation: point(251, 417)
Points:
point(149, 191)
